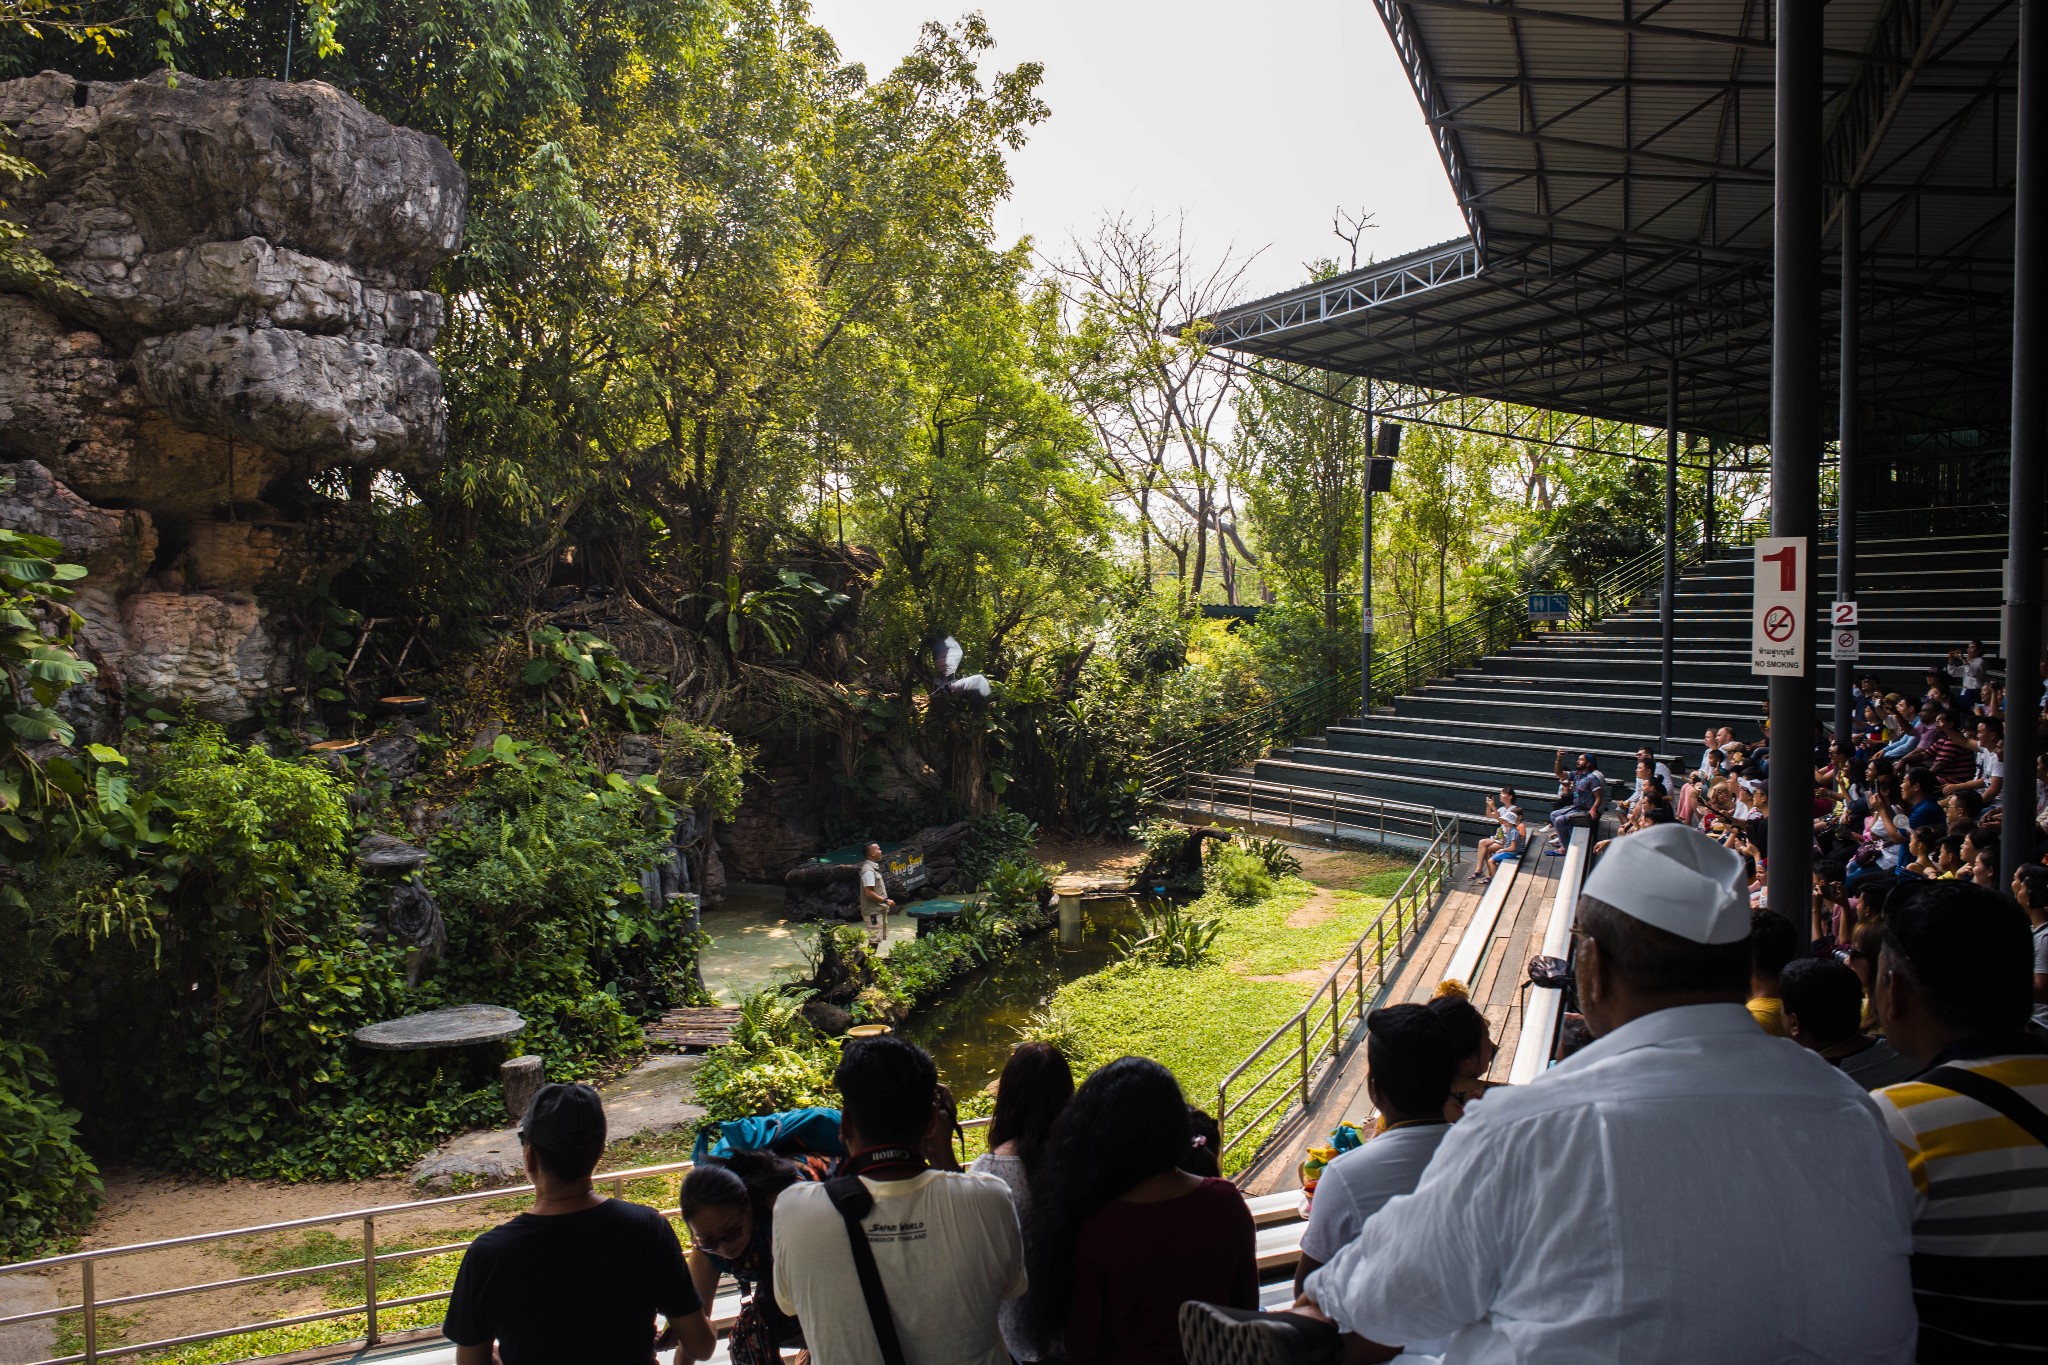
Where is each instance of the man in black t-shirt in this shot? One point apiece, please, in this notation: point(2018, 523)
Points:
point(581, 1277)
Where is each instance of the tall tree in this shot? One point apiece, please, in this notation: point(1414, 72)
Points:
point(1158, 399)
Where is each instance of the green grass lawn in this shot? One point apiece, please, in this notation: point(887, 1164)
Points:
point(1200, 1022)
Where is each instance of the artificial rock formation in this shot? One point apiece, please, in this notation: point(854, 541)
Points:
point(239, 340)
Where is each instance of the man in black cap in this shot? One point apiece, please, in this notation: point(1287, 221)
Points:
point(580, 1277)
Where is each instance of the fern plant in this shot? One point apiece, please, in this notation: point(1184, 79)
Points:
point(1278, 857)
point(1170, 937)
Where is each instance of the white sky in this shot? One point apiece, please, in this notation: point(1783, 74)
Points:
point(1258, 120)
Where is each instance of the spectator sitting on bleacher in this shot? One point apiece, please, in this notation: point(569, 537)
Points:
point(1653, 1198)
point(945, 1245)
point(1966, 666)
point(1988, 780)
point(1824, 1014)
point(579, 1276)
point(2030, 889)
point(1772, 943)
point(1948, 748)
point(1953, 989)
point(1922, 796)
point(1506, 846)
point(1472, 1046)
point(1582, 796)
point(1939, 690)
point(1659, 769)
point(1120, 1235)
point(1409, 1066)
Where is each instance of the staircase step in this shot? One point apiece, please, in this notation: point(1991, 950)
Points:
point(1501, 720)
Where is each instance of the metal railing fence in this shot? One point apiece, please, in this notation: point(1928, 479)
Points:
point(1321, 1030)
point(91, 1307)
point(1322, 810)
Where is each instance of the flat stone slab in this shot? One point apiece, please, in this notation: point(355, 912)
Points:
point(27, 1340)
point(657, 1096)
point(383, 853)
point(458, 1026)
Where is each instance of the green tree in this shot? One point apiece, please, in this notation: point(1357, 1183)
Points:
point(1299, 457)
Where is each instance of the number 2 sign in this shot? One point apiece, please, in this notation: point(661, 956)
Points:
point(1843, 616)
point(1778, 623)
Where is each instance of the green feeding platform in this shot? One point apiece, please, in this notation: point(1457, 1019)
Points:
point(937, 911)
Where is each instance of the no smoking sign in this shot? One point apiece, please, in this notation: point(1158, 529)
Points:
point(1778, 624)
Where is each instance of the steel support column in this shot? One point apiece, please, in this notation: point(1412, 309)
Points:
point(2029, 438)
point(1795, 434)
point(1849, 438)
point(1709, 529)
point(1667, 601)
point(1365, 620)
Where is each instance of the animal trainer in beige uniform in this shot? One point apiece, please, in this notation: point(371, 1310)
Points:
point(875, 904)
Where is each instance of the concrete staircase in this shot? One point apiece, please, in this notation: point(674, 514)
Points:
point(1501, 721)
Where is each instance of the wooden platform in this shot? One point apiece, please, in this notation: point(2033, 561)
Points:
point(1495, 989)
point(699, 1027)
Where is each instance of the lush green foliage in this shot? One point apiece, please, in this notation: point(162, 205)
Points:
point(1170, 936)
point(993, 839)
point(48, 1186)
point(776, 1060)
point(1280, 860)
point(537, 878)
point(1236, 873)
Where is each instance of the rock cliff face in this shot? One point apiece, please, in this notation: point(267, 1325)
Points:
point(240, 339)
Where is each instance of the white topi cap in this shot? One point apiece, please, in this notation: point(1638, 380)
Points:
point(1677, 879)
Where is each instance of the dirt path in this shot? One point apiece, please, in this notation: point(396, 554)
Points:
point(1093, 857)
point(646, 1107)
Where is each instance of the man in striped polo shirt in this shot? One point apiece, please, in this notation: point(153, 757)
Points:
point(1954, 989)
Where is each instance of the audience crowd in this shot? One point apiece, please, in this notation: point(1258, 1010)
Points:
point(1751, 1147)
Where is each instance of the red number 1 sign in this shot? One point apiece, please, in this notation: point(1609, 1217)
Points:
point(1778, 620)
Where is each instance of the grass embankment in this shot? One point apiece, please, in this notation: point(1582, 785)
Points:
point(1202, 1021)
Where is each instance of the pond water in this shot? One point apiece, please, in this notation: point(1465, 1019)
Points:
point(971, 1031)
point(753, 945)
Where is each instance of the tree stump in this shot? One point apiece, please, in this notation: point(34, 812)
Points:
point(523, 1077)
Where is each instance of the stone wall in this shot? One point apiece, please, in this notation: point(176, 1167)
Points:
point(242, 321)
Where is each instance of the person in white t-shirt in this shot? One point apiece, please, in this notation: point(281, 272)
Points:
point(875, 904)
point(1409, 1067)
point(946, 1245)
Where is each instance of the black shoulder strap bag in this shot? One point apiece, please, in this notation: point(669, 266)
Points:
point(853, 1200)
point(1992, 1095)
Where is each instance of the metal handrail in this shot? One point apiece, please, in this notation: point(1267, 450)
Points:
point(91, 1305)
point(1320, 1029)
point(1332, 810)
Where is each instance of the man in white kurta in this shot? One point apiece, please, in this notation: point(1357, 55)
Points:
point(1686, 1188)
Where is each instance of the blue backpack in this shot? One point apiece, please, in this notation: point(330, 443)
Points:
point(792, 1133)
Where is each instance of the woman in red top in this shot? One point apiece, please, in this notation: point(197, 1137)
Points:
point(1120, 1236)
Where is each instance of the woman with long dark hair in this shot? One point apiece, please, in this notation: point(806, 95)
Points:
point(1119, 1235)
point(1472, 1044)
point(1034, 1089)
point(729, 1207)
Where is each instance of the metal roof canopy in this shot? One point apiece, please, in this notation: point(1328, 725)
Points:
point(1613, 160)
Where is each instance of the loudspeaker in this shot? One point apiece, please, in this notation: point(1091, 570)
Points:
point(1380, 476)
